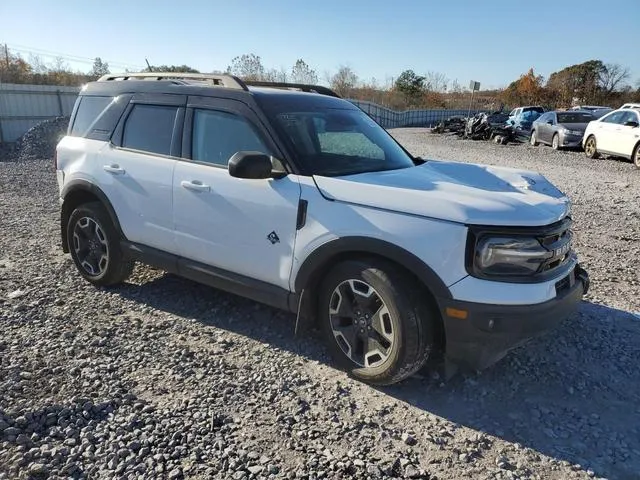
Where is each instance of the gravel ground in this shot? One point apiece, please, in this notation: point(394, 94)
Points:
point(164, 378)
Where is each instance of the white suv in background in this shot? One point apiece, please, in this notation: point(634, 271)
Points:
point(617, 134)
point(294, 197)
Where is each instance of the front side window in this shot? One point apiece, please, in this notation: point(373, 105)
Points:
point(335, 142)
point(628, 117)
point(218, 135)
point(614, 117)
point(149, 128)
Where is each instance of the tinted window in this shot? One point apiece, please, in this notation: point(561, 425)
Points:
point(217, 136)
point(574, 117)
point(89, 110)
point(534, 109)
point(149, 128)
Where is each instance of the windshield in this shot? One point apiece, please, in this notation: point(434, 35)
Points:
point(571, 117)
point(335, 142)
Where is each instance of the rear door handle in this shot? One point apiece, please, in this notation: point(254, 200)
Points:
point(195, 185)
point(113, 168)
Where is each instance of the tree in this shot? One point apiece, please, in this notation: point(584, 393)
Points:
point(577, 82)
point(343, 81)
point(100, 68)
point(302, 73)
point(612, 77)
point(247, 66)
point(274, 75)
point(171, 68)
point(527, 90)
point(436, 82)
point(410, 84)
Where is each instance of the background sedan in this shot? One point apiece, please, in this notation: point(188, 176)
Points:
point(560, 129)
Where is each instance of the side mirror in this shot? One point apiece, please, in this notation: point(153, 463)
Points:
point(250, 165)
point(550, 122)
point(631, 123)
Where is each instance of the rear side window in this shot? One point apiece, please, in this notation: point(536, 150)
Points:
point(149, 128)
point(218, 135)
point(89, 109)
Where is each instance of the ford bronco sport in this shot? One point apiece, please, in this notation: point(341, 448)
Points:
point(291, 196)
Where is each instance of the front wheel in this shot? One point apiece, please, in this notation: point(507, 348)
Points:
point(635, 156)
point(376, 321)
point(555, 142)
point(94, 245)
point(534, 139)
point(590, 147)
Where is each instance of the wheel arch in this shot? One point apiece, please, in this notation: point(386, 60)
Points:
point(329, 254)
point(78, 192)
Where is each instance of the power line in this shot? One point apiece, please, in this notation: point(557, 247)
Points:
point(69, 57)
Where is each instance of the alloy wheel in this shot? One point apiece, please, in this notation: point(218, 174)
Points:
point(555, 142)
point(90, 246)
point(361, 323)
point(590, 147)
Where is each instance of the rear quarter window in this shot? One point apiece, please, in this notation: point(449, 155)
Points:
point(89, 109)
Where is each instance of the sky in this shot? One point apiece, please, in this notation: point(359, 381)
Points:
point(492, 42)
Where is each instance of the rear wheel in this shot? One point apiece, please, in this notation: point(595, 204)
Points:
point(94, 245)
point(375, 321)
point(534, 138)
point(591, 148)
point(555, 142)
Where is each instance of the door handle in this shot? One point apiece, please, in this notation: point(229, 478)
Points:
point(195, 185)
point(113, 168)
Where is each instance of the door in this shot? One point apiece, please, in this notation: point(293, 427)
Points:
point(137, 173)
point(624, 136)
point(243, 226)
point(606, 131)
point(544, 128)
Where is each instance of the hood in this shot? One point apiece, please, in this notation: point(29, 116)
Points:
point(452, 191)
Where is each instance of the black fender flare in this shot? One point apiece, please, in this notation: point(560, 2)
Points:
point(324, 254)
point(80, 185)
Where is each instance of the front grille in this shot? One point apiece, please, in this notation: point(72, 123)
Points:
point(558, 242)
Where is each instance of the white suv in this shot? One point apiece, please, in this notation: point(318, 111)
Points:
point(617, 133)
point(291, 196)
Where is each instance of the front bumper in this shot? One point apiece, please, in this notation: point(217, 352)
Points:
point(571, 141)
point(488, 332)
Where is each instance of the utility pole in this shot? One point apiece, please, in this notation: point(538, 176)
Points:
point(148, 66)
point(6, 56)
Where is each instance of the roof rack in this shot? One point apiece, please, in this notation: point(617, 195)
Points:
point(294, 86)
point(228, 81)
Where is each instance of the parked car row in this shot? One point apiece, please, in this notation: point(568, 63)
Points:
point(616, 133)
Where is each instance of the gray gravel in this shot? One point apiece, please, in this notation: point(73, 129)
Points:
point(164, 378)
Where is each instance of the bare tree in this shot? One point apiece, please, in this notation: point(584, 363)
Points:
point(436, 82)
point(37, 64)
point(612, 77)
point(302, 73)
point(344, 80)
point(59, 65)
point(248, 66)
point(275, 75)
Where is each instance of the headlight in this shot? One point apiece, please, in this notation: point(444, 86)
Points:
point(506, 256)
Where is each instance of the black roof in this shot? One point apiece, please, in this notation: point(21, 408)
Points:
point(264, 92)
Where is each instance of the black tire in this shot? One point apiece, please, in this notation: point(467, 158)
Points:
point(635, 156)
point(96, 235)
point(555, 142)
point(410, 318)
point(591, 147)
point(534, 139)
